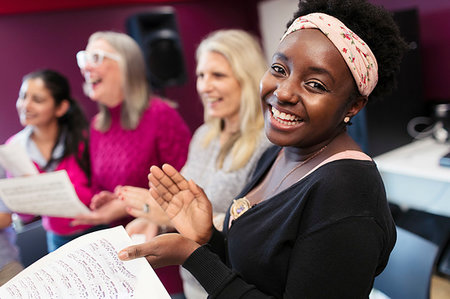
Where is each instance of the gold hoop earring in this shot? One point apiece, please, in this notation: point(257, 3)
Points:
point(346, 119)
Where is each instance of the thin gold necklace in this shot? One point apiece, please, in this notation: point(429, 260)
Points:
point(242, 205)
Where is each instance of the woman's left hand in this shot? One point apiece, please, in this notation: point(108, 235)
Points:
point(102, 198)
point(163, 250)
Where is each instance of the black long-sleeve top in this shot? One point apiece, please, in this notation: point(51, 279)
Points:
point(327, 236)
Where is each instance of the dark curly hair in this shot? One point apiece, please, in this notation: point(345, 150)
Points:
point(375, 26)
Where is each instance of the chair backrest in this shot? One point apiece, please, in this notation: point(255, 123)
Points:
point(410, 267)
point(32, 242)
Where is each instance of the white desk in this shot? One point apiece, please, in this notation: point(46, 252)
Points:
point(413, 177)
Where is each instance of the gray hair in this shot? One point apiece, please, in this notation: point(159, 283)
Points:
point(135, 85)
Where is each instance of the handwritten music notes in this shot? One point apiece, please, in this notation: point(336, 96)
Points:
point(87, 267)
point(50, 194)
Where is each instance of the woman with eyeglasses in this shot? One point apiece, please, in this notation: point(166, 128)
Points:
point(55, 137)
point(132, 130)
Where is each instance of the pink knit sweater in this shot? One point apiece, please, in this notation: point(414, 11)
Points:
point(123, 157)
point(62, 226)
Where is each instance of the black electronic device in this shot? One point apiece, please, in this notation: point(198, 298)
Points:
point(156, 32)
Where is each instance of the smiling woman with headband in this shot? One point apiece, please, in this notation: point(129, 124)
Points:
point(356, 53)
point(314, 220)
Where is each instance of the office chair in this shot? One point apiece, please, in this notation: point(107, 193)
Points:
point(410, 267)
point(32, 242)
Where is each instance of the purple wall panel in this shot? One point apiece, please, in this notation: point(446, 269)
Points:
point(434, 16)
point(31, 41)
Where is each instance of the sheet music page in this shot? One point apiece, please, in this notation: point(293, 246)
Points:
point(87, 267)
point(15, 160)
point(50, 194)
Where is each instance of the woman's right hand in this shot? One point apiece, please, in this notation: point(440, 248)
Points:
point(142, 226)
point(184, 202)
point(5, 220)
point(136, 198)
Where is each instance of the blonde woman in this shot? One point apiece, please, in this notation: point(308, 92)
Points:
point(224, 150)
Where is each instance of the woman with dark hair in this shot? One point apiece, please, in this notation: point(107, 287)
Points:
point(55, 137)
point(73, 121)
point(314, 221)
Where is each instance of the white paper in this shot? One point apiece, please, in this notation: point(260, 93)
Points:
point(50, 194)
point(138, 238)
point(15, 160)
point(87, 267)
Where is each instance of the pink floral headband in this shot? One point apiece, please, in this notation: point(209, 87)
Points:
point(356, 53)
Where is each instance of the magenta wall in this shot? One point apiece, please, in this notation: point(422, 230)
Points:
point(31, 41)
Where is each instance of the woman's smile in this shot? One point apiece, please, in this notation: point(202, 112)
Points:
point(282, 121)
point(285, 118)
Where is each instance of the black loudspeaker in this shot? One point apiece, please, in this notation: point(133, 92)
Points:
point(387, 119)
point(156, 33)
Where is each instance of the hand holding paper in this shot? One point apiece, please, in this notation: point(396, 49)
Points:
point(50, 194)
point(162, 250)
point(87, 267)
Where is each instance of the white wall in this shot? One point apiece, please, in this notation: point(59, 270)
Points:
point(274, 15)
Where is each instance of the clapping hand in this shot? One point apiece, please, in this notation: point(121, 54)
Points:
point(142, 226)
point(110, 211)
point(101, 198)
point(190, 212)
point(140, 204)
point(184, 202)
